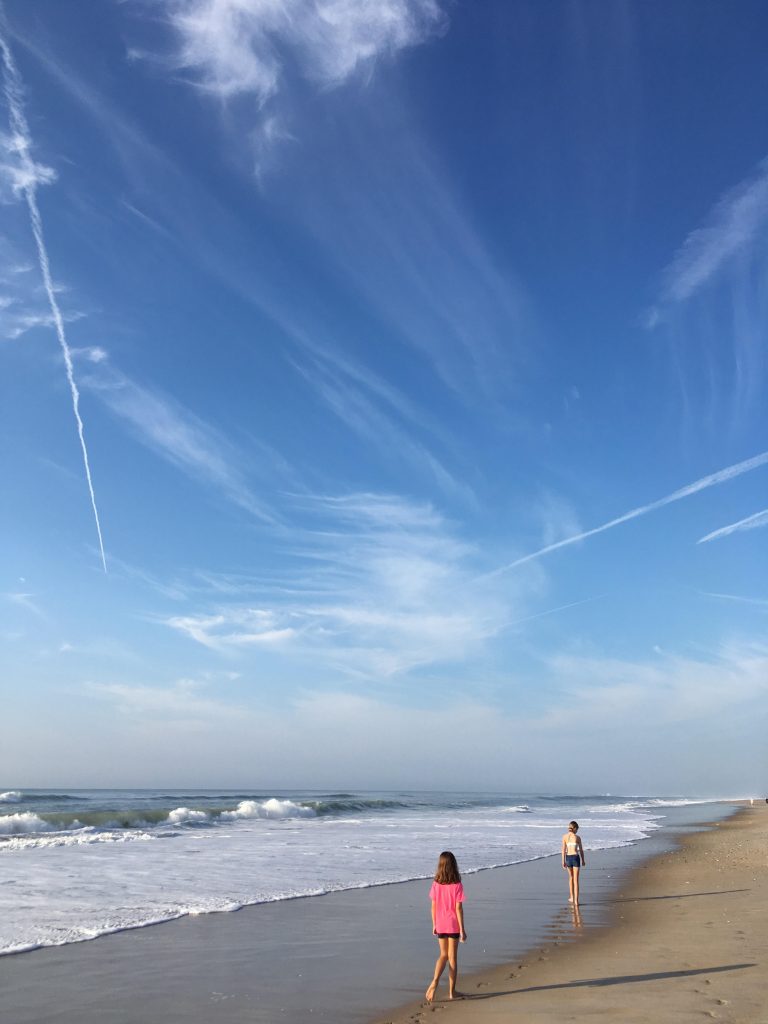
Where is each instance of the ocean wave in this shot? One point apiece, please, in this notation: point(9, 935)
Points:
point(187, 815)
point(354, 805)
point(640, 804)
point(272, 808)
point(16, 796)
point(83, 837)
point(25, 821)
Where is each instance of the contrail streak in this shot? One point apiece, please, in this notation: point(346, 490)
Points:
point(721, 476)
point(750, 523)
point(551, 611)
point(21, 140)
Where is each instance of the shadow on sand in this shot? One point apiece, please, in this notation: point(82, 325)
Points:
point(674, 896)
point(621, 979)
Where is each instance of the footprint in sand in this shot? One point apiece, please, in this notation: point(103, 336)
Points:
point(482, 984)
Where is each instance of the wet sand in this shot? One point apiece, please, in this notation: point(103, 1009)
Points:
point(687, 941)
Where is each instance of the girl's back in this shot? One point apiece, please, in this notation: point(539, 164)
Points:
point(445, 897)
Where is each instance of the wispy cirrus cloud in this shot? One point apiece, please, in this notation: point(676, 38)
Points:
point(381, 586)
point(759, 602)
point(238, 628)
point(17, 322)
point(733, 225)
point(242, 47)
point(260, 49)
point(752, 522)
point(377, 413)
point(175, 433)
point(26, 601)
point(670, 689)
point(390, 219)
point(702, 484)
point(182, 701)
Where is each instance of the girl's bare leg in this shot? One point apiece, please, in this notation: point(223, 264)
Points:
point(442, 960)
point(570, 885)
point(575, 877)
point(453, 968)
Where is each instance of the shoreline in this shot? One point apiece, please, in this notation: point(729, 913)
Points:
point(343, 957)
point(684, 938)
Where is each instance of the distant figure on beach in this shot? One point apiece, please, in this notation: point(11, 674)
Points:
point(573, 860)
point(447, 896)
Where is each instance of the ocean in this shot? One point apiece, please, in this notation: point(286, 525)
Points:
point(76, 864)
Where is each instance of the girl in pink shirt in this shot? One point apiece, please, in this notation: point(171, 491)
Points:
point(447, 896)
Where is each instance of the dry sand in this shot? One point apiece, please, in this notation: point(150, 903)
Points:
point(688, 942)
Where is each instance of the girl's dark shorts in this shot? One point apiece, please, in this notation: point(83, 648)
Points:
point(572, 860)
point(449, 935)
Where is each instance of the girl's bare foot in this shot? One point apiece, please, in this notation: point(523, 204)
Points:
point(456, 995)
point(430, 993)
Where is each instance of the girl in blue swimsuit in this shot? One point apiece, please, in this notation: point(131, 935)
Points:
point(573, 860)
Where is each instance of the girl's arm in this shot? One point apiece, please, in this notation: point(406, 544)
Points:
point(434, 926)
point(581, 851)
point(460, 915)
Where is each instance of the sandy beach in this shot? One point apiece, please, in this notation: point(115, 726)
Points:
point(687, 941)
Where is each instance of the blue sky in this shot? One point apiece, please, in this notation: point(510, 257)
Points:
point(420, 353)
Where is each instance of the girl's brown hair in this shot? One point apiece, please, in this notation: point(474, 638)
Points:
point(573, 826)
point(447, 869)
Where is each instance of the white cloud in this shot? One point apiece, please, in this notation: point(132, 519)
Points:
point(752, 522)
point(382, 585)
point(93, 354)
point(242, 47)
point(261, 49)
point(19, 322)
point(242, 627)
point(364, 404)
point(25, 601)
point(603, 693)
point(733, 226)
point(558, 518)
point(18, 171)
point(182, 701)
point(175, 433)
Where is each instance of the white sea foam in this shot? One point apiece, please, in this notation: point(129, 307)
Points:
point(13, 796)
point(641, 804)
point(83, 837)
point(272, 808)
point(182, 815)
point(26, 821)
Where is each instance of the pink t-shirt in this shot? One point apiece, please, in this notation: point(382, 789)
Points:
point(445, 898)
